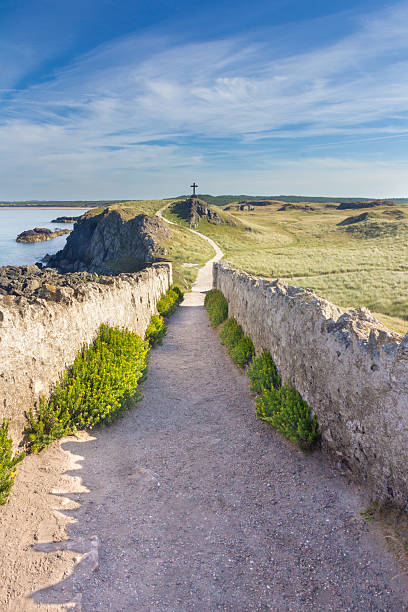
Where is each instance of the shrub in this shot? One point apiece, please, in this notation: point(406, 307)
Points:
point(242, 351)
point(217, 307)
point(285, 409)
point(231, 333)
point(8, 463)
point(99, 387)
point(263, 373)
point(156, 330)
point(179, 292)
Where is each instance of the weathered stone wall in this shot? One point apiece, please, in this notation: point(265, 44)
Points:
point(41, 337)
point(351, 370)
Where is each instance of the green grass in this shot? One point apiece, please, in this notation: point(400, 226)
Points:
point(367, 266)
point(185, 247)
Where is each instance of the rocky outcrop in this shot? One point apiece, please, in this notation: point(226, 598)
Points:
point(66, 219)
point(43, 328)
point(39, 234)
point(113, 240)
point(356, 219)
point(371, 204)
point(194, 210)
point(350, 368)
point(32, 282)
point(290, 206)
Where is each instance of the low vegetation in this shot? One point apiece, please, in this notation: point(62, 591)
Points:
point(103, 381)
point(8, 462)
point(217, 307)
point(169, 301)
point(100, 386)
point(239, 346)
point(280, 405)
point(156, 330)
point(363, 266)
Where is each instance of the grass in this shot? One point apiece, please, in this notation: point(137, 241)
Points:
point(363, 266)
point(185, 247)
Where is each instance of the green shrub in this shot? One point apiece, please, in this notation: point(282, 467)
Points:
point(156, 330)
point(8, 463)
point(242, 351)
point(217, 307)
point(99, 387)
point(230, 333)
point(285, 409)
point(179, 292)
point(263, 373)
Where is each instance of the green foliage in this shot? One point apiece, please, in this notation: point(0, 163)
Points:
point(99, 387)
point(179, 292)
point(217, 307)
point(263, 373)
point(169, 301)
point(242, 351)
point(285, 409)
point(156, 330)
point(8, 463)
point(240, 347)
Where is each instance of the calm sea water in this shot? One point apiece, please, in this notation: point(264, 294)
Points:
point(13, 222)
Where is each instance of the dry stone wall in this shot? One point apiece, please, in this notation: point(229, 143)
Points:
point(39, 337)
point(347, 365)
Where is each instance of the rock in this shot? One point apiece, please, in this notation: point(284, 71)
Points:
point(39, 234)
point(194, 210)
point(113, 241)
point(66, 219)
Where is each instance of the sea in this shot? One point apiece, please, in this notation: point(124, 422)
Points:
point(13, 221)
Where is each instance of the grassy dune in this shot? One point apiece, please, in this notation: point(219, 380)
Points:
point(362, 263)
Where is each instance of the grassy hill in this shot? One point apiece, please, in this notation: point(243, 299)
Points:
point(364, 263)
point(222, 200)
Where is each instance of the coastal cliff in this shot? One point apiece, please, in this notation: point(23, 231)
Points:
point(112, 240)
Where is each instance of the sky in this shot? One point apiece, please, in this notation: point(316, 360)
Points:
point(123, 99)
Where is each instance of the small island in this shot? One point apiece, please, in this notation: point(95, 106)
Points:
point(66, 219)
point(39, 234)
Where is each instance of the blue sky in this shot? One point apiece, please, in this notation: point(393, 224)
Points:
point(120, 99)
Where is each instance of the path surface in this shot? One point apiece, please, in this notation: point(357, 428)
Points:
point(189, 503)
point(199, 506)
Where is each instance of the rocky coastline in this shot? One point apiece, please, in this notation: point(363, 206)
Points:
point(66, 219)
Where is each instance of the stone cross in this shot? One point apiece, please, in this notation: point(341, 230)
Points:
point(194, 186)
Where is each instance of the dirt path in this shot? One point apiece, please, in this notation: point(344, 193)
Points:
point(190, 503)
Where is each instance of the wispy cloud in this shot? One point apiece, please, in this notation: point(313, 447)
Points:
point(96, 117)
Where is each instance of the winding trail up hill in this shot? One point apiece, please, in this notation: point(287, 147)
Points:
point(190, 503)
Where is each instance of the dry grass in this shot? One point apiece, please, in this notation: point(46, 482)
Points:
point(361, 264)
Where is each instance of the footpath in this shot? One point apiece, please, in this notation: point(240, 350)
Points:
point(190, 503)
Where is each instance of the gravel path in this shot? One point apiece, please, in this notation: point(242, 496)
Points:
point(194, 504)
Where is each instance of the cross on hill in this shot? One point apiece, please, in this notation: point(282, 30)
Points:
point(194, 186)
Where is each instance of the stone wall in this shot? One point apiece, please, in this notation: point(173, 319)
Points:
point(347, 365)
point(40, 337)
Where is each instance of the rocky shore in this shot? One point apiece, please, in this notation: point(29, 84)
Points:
point(40, 234)
point(33, 282)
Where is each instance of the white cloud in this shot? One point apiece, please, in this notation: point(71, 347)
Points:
point(91, 121)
